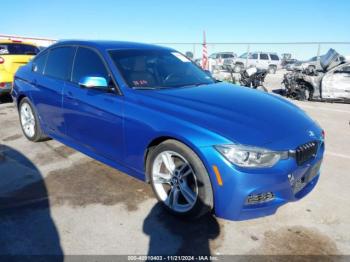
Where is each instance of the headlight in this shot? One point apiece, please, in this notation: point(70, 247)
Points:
point(247, 156)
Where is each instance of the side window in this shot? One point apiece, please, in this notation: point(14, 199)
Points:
point(59, 62)
point(88, 63)
point(255, 56)
point(39, 63)
point(274, 57)
point(227, 56)
point(264, 56)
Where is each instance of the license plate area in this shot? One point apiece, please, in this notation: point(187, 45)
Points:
point(298, 184)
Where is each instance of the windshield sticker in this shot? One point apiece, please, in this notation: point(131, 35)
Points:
point(140, 82)
point(181, 57)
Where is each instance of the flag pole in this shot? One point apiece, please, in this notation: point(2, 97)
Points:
point(205, 65)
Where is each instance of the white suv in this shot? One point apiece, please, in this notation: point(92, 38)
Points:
point(260, 60)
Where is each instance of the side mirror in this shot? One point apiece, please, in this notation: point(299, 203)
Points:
point(34, 67)
point(93, 81)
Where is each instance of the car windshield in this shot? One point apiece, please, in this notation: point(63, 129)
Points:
point(244, 55)
point(158, 69)
point(227, 56)
point(18, 49)
point(313, 59)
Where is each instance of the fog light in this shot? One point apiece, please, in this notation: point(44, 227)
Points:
point(291, 179)
point(260, 198)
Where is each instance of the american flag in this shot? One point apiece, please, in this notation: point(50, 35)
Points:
point(205, 65)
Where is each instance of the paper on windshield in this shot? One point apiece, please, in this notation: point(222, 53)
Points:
point(181, 57)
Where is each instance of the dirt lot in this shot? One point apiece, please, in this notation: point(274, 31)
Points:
point(89, 208)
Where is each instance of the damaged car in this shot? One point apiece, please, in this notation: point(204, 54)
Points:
point(332, 83)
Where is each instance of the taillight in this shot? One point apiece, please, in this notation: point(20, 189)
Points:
point(2, 84)
point(323, 135)
point(2, 60)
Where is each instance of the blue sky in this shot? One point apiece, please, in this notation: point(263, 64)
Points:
point(162, 21)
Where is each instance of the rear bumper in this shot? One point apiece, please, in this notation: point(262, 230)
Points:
point(5, 87)
point(232, 200)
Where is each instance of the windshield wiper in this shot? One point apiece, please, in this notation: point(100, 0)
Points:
point(165, 87)
point(187, 85)
point(143, 87)
point(202, 84)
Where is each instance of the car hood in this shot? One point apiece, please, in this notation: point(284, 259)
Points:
point(240, 114)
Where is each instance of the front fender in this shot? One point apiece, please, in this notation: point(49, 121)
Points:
point(143, 125)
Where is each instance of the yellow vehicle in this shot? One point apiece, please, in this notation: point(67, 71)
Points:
point(13, 54)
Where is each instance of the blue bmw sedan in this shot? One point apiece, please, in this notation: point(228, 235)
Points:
point(152, 113)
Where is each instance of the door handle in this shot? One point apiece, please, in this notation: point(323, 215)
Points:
point(71, 99)
point(70, 95)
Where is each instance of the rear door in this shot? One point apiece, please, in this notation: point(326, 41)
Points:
point(275, 60)
point(93, 116)
point(50, 86)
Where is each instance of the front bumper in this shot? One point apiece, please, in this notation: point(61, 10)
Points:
point(286, 182)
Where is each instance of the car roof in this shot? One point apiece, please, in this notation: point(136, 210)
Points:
point(259, 52)
point(111, 45)
point(220, 53)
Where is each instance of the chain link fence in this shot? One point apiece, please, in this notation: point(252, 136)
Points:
point(298, 50)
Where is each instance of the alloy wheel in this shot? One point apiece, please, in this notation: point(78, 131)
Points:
point(27, 120)
point(174, 181)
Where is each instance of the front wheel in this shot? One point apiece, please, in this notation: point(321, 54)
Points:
point(238, 68)
point(180, 180)
point(272, 70)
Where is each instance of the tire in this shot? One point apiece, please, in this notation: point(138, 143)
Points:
point(30, 122)
point(172, 188)
point(237, 68)
point(272, 70)
point(312, 68)
point(303, 95)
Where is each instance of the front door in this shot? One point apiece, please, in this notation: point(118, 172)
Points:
point(93, 116)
